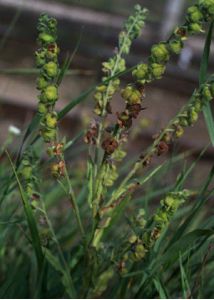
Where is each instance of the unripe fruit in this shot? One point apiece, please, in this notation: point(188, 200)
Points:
point(206, 92)
point(46, 38)
point(157, 70)
point(51, 120)
point(195, 28)
point(141, 72)
point(41, 83)
point(176, 46)
point(179, 131)
point(55, 170)
point(51, 69)
point(42, 109)
point(160, 53)
point(194, 14)
point(51, 93)
point(26, 172)
point(48, 135)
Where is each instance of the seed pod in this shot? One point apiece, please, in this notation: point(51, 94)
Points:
point(139, 252)
point(124, 120)
point(206, 92)
point(134, 110)
point(160, 53)
point(55, 170)
point(176, 46)
point(195, 28)
point(193, 116)
point(179, 131)
point(131, 95)
point(181, 32)
point(26, 172)
point(207, 6)
point(42, 109)
point(51, 93)
point(141, 73)
point(51, 120)
point(40, 57)
point(157, 70)
point(46, 38)
point(109, 145)
point(49, 135)
point(51, 69)
point(162, 148)
point(41, 83)
point(194, 14)
point(52, 51)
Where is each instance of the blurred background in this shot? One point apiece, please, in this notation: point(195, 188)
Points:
point(98, 22)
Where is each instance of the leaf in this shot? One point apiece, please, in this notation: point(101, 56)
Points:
point(159, 287)
point(30, 219)
point(202, 78)
point(201, 199)
point(66, 278)
point(184, 280)
point(183, 244)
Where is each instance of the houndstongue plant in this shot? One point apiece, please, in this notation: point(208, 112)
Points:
point(112, 254)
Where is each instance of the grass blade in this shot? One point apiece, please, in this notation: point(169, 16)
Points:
point(30, 219)
point(202, 78)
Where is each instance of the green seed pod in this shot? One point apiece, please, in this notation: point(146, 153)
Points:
point(184, 121)
point(208, 6)
point(176, 46)
point(194, 14)
point(51, 69)
point(168, 202)
point(42, 109)
point(51, 120)
point(160, 53)
point(101, 88)
point(141, 73)
point(98, 110)
point(46, 38)
point(55, 170)
point(132, 239)
point(195, 28)
point(206, 92)
point(131, 95)
point(48, 135)
point(26, 172)
point(179, 131)
point(161, 218)
point(198, 105)
point(41, 83)
point(29, 189)
point(51, 93)
point(40, 57)
point(140, 252)
point(193, 115)
point(98, 96)
point(157, 70)
point(52, 24)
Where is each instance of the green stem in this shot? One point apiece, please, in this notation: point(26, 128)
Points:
point(73, 198)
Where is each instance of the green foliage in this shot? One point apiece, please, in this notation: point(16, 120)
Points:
point(89, 230)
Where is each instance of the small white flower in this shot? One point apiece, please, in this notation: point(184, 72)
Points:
point(14, 130)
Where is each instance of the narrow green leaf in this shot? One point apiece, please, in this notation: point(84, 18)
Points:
point(66, 278)
point(30, 219)
point(184, 280)
point(202, 78)
point(159, 287)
